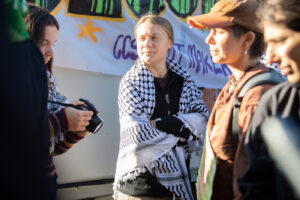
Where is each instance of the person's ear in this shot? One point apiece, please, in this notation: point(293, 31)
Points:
point(249, 38)
point(170, 44)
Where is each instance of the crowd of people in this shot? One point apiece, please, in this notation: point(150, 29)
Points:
point(162, 115)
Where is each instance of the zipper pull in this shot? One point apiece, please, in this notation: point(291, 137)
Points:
point(167, 98)
point(168, 102)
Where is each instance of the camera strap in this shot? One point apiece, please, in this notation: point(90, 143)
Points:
point(62, 104)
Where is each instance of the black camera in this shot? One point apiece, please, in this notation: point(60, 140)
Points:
point(96, 122)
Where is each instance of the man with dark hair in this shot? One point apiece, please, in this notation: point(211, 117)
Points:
point(264, 178)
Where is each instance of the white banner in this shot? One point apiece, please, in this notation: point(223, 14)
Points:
point(107, 45)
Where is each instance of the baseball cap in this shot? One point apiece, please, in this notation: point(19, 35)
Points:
point(226, 13)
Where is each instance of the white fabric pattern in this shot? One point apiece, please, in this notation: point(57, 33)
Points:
point(275, 66)
point(54, 94)
point(144, 147)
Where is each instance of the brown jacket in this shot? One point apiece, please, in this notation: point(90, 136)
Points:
point(231, 157)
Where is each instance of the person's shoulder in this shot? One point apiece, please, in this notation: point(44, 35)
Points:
point(137, 74)
point(133, 70)
point(280, 89)
point(269, 103)
point(178, 69)
point(258, 67)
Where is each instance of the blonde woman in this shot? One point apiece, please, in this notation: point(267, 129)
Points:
point(161, 112)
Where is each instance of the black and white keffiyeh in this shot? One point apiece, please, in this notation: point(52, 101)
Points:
point(275, 66)
point(143, 147)
point(55, 95)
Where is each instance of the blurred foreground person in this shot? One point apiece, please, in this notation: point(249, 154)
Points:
point(234, 39)
point(280, 20)
point(23, 107)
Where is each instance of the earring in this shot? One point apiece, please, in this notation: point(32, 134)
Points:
point(246, 52)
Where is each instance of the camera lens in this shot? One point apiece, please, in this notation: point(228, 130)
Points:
point(95, 124)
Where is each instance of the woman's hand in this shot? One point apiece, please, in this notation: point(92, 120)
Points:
point(172, 125)
point(78, 119)
point(77, 103)
point(153, 123)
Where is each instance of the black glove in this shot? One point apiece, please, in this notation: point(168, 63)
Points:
point(173, 125)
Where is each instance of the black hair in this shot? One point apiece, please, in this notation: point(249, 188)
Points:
point(285, 12)
point(257, 47)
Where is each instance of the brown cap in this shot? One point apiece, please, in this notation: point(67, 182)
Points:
point(227, 13)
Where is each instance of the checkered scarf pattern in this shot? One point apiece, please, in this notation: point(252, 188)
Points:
point(144, 147)
point(54, 94)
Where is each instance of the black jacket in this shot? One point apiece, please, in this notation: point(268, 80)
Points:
point(263, 180)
